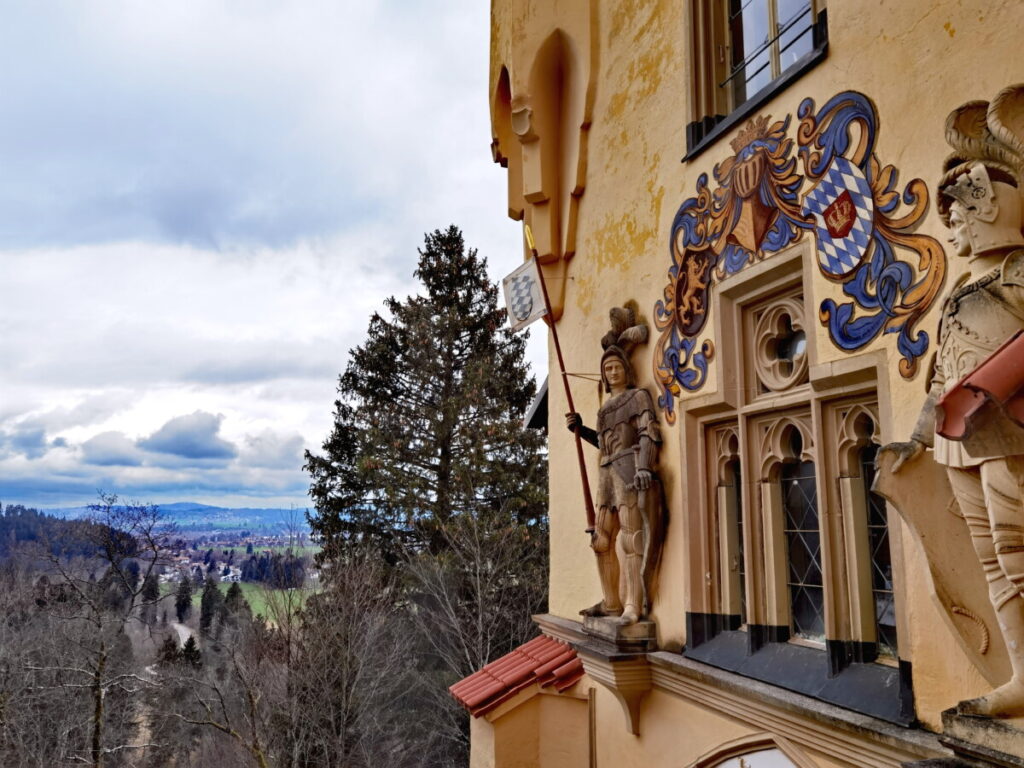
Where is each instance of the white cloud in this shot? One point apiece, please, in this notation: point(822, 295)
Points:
point(111, 449)
point(201, 205)
point(274, 450)
point(194, 436)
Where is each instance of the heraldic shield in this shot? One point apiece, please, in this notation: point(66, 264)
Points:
point(922, 494)
point(842, 206)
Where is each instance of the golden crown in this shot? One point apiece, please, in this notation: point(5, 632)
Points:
point(756, 128)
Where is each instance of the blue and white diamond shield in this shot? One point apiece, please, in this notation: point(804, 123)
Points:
point(843, 210)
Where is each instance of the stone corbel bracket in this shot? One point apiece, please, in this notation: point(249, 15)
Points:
point(628, 678)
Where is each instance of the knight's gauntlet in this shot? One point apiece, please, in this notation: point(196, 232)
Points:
point(647, 455)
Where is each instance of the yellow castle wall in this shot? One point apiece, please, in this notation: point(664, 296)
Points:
point(916, 60)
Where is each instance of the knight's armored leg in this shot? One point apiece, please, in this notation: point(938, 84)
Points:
point(632, 545)
point(603, 543)
point(991, 503)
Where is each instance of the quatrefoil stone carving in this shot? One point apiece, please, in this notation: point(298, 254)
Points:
point(780, 345)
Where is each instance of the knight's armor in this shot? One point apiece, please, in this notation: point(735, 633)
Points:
point(977, 318)
point(628, 438)
point(621, 422)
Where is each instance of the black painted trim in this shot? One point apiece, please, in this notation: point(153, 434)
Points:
point(701, 627)
point(760, 635)
point(906, 670)
point(877, 690)
point(702, 133)
point(865, 653)
point(842, 653)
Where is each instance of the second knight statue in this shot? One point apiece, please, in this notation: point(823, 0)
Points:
point(981, 203)
point(630, 523)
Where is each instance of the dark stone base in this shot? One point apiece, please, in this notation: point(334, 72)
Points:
point(983, 741)
point(871, 689)
point(641, 636)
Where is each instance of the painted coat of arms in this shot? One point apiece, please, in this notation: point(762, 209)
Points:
point(763, 202)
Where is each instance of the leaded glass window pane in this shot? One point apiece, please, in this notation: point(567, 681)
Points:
point(803, 542)
point(881, 557)
point(740, 564)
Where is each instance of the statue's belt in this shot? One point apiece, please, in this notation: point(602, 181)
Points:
point(630, 451)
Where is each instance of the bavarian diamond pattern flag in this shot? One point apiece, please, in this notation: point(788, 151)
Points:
point(524, 297)
point(843, 208)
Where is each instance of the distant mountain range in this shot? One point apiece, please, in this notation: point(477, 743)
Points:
point(193, 517)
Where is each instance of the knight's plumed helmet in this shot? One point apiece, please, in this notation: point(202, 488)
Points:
point(983, 175)
point(620, 341)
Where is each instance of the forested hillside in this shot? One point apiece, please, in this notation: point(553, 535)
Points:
point(125, 643)
point(21, 525)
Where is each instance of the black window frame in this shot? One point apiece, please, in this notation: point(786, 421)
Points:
point(704, 131)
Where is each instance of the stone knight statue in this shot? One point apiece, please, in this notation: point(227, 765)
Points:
point(980, 201)
point(631, 514)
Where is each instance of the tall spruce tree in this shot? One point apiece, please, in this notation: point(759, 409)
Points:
point(190, 653)
point(209, 604)
point(183, 599)
point(150, 597)
point(429, 469)
point(428, 426)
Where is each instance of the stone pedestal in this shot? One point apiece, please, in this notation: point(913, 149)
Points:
point(640, 636)
point(983, 741)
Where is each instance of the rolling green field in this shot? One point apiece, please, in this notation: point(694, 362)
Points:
point(262, 601)
point(265, 601)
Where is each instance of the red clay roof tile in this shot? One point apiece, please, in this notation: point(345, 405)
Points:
point(543, 660)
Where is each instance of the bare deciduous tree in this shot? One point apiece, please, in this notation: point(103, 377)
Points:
point(474, 603)
point(86, 605)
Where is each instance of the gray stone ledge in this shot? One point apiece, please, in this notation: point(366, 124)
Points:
point(914, 740)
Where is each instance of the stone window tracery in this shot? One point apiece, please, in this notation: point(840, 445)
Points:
point(728, 504)
point(797, 547)
point(780, 346)
point(789, 507)
point(872, 596)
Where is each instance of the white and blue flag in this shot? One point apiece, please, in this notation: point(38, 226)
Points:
point(524, 296)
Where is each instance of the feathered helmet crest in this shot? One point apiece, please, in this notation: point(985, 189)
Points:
point(620, 341)
point(988, 148)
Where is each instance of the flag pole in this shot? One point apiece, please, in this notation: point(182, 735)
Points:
point(587, 499)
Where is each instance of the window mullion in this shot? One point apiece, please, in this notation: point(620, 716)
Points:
point(776, 561)
point(775, 35)
point(854, 503)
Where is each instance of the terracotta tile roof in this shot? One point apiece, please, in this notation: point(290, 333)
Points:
point(543, 660)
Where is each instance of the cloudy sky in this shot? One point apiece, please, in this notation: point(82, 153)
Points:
point(201, 203)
